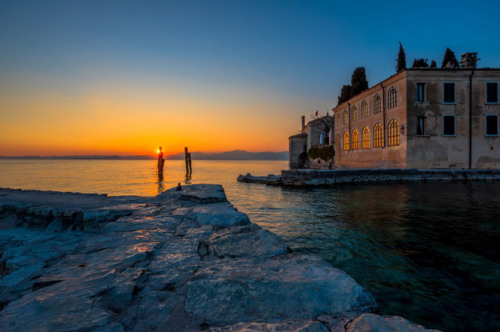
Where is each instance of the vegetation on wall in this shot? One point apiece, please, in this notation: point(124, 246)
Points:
point(401, 64)
point(322, 152)
point(433, 64)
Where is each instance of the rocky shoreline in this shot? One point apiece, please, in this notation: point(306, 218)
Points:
point(181, 261)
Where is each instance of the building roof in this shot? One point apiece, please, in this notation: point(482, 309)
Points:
point(368, 91)
point(301, 135)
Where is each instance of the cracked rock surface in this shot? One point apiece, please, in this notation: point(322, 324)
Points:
point(181, 261)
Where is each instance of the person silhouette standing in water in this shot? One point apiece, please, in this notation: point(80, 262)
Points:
point(161, 161)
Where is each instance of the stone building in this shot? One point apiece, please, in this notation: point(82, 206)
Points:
point(317, 132)
point(423, 118)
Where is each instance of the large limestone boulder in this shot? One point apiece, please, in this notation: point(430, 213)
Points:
point(245, 241)
point(285, 287)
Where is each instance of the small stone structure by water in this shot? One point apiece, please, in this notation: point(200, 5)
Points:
point(315, 178)
point(181, 261)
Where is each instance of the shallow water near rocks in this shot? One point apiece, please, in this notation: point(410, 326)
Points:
point(427, 251)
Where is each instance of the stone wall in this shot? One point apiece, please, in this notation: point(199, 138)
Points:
point(297, 145)
point(311, 178)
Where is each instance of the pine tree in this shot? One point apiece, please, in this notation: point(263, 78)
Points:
point(420, 63)
point(401, 64)
point(345, 94)
point(358, 81)
point(433, 64)
point(449, 57)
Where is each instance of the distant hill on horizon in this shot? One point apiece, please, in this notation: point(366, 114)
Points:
point(229, 155)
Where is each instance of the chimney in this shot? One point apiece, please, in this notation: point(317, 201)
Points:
point(303, 121)
point(469, 60)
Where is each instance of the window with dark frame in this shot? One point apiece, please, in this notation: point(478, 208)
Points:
point(393, 98)
point(421, 125)
point(346, 117)
point(420, 92)
point(377, 107)
point(492, 92)
point(449, 93)
point(448, 125)
point(393, 132)
point(491, 125)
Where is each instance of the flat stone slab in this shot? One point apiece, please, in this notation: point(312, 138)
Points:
point(185, 260)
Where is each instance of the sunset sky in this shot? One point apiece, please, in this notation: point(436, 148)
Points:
point(122, 77)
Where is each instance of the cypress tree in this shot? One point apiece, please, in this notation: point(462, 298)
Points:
point(345, 94)
point(401, 64)
point(358, 81)
point(449, 57)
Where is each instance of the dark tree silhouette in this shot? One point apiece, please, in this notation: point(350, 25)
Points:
point(449, 57)
point(345, 94)
point(420, 63)
point(401, 64)
point(433, 64)
point(358, 81)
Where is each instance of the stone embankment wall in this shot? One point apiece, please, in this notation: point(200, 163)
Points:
point(182, 261)
point(332, 177)
point(316, 178)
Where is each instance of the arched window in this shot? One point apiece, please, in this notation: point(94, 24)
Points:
point(393, 98)
point(354, 113)
point(365, 137)
point(364, 109)
point(378, 136)
point(346, 141)
point(377, 104)
point(355, 139)
point(393, 129)
point(346, 117)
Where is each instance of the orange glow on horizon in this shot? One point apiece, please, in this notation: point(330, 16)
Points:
point(117, 119)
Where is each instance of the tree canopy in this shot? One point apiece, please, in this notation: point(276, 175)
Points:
point(401, 62)
point(420, 63)
point(358, 81)
point(449, 57)
point(345, 94)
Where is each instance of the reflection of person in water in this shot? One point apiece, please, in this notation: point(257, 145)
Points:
point(161, 161)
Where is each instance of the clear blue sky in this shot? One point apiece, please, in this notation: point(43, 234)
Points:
point(297, 52)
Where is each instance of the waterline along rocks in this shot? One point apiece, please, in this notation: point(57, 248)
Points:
point(181, 261)
point(331, 177)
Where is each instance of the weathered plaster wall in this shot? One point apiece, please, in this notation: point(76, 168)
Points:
point(297, 145)
point(433, 150)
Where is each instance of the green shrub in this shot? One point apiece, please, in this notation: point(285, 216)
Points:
point(322, 152)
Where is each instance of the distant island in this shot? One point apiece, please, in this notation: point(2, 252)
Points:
point(229, 155)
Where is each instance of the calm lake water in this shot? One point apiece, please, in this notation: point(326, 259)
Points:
point(427, 251)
